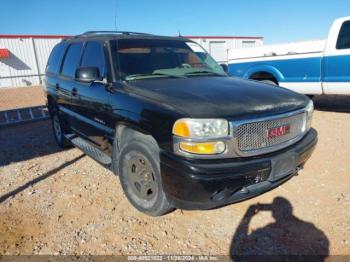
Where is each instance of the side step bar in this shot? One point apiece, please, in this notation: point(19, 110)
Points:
point(89, 149)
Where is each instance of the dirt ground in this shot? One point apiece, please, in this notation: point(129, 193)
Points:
point(62, 202)
point(19, 97)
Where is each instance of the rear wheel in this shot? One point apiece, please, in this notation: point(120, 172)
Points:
point(59, 130)
point(270, 82)
point(139, 172)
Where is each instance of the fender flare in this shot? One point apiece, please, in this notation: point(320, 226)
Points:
point(264, 68)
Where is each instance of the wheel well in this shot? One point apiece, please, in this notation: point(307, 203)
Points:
point(123, 134)
point(124, 131)
point(264, 76)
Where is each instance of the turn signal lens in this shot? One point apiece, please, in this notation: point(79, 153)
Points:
point(309, 111)
point(207, 148)
point(181, 129)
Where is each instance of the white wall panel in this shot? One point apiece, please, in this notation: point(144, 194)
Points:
point(21, 60)
point(27, 61)
point(220, 47)
point(43, 49)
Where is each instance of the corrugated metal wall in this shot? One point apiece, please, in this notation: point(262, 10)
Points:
point(27, 61)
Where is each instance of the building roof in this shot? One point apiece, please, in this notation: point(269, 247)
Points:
point(34, 36)
point(193, 37)
point(224, 37)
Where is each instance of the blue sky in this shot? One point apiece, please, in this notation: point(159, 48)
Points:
point(276, 20)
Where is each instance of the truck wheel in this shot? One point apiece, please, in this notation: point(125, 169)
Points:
point(59, 131)
point(139, 173)
point(270, 82)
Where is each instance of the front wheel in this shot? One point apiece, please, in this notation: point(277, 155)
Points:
point(139, 172)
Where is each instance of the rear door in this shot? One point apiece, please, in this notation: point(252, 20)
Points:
point(66, 84)
point(91, 101)
point(52, 81)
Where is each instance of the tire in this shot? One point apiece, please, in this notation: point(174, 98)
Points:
point(59, 130)
point(139, 173)
point(270, 82)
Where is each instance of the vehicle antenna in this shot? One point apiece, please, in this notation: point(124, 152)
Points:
point(115, 15)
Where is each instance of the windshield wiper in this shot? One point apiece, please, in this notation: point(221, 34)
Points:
point(204, 72)
point(155, 74)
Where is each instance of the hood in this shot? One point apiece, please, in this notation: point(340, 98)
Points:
point(219, 97)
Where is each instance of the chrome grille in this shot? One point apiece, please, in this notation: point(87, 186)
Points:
point(253, 136)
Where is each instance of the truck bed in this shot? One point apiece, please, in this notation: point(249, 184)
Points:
point(293, 48)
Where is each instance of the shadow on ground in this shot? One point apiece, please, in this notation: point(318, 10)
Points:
point(38, 179)
point(332, 103)
point(24, 142)
point(288, 235)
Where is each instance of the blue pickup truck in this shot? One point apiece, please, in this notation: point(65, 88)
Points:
point(311, 67)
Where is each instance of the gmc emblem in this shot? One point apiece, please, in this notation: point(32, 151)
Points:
point(278, 131)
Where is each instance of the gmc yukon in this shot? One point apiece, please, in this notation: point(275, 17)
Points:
point(163, 115)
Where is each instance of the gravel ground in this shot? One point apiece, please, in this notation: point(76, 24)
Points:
point(62, 202)
point(19, 97)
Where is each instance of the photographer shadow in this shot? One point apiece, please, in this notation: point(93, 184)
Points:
point(288, 235)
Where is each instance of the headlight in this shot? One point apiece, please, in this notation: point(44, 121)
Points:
point(309, 112)
point(201, 136)
point(200, 128)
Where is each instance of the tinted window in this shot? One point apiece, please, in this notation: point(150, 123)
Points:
point(155, 58)
point(71, 60)
point(94, 56)
point(53, 63)
point(344, 36)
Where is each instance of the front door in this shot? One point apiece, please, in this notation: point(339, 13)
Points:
point(91, 101)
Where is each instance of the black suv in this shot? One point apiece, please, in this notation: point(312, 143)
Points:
point(163, 115)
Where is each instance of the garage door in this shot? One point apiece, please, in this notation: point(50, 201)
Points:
point(218, 51)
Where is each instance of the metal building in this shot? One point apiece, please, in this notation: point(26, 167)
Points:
point(220, 46)
point(23, 57)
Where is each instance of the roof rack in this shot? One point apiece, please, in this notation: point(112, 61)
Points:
point(92, 33)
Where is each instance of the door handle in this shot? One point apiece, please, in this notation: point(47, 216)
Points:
point(74, 92)
point(57, 86)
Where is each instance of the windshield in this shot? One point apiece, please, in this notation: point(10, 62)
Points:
point(155, 58)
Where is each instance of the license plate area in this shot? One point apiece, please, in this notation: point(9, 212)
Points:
point(283, 165)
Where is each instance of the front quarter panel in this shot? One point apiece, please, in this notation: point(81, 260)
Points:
point(143, 115)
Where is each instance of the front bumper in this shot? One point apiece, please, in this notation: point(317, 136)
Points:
point(205, 184)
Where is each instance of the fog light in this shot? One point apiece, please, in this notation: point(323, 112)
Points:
point(206, 148)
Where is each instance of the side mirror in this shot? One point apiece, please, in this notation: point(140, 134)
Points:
point(87, 74)
point(225, 68)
